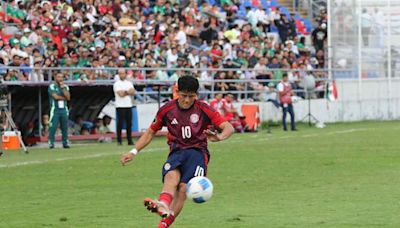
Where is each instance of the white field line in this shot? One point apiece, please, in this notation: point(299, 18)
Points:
point(349, 131)
point(33, 162)
point(69, 158)
point(267, 137)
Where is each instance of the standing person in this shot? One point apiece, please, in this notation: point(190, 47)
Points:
point(124, 92)
point(366, 25)
point(378, 27)
point(58, 96)
point(292, 26)
point(319, 35)
point(283, 27)
point(187, 120)
point(285, 98)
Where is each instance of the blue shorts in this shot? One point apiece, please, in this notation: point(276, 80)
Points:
point(190, 162)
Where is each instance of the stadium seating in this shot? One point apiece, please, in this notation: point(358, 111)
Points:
point(102, 35)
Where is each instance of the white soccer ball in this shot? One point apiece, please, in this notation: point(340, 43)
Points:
point(199, 189)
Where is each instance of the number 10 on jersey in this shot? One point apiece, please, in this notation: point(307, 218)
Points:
point(186, 132)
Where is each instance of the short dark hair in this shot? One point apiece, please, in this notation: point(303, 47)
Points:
point(188, 84)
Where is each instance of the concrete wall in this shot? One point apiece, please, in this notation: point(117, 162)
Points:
point(370, 101)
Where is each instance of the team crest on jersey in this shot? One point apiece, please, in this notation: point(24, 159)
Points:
point(194, 118)
point(167, 166)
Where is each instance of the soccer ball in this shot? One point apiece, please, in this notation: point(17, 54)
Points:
point(199, 189)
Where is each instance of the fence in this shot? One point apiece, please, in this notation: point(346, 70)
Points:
point(363, 35)
point(358, 99)
point(154, 82)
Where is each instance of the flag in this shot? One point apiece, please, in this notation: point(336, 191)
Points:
point(331, 92)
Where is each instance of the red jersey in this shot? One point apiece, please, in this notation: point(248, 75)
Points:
point(226, 107)
point(217, 105)
point(186, 126)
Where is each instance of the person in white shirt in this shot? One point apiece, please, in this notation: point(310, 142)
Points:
point(228, 50)
point(291, 47)
point(181, 35)
point(379, 25)
point(124, 92)
point(172, 57)
point(193, 57)
point(251, 16)
point(261, 15)
point(366, 25)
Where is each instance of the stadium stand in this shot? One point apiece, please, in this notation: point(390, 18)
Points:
point(137, 33)
point(86, 38)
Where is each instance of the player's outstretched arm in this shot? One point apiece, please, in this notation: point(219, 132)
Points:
point(143, 141)
point(227, 131)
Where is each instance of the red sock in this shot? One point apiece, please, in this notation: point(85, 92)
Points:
point(170, 219)
point(166, 222)
point(166, 198)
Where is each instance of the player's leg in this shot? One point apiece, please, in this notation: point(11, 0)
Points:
point(128, 121)
point(53, 124)
point(171, 177)
point(292, 121)
point(284, 110)
point(162, 205)
point(64, 129)
point(176, 206)
point(179, 199)
point(195, 165)
point(120, 121)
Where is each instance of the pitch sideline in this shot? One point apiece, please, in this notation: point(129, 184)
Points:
point(34, 162)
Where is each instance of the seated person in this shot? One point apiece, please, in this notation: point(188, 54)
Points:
point(231, 115)
point(216, 103)
point(104, 126)
point(105, 129)
point(45, 125)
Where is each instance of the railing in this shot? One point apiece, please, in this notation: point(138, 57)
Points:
point(243, 84)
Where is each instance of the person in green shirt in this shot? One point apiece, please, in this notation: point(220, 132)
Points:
point(58, 96)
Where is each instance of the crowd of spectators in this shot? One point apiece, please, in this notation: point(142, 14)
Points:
point(256, 39)
point(97, 34)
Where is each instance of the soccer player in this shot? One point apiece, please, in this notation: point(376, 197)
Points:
point(188, 121)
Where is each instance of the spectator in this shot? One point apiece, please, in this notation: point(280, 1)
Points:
point(283, 27)
point(45, 125)
point(378, 28)
point(105, 125)
point(292, 26)
point(319, 36)
point(102, 34)
point(261, 71)
point(366, 25)
point(271, 94)
point(81, 125)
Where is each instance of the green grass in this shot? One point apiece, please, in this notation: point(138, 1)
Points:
point(345, 175)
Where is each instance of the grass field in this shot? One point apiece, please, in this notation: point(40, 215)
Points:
point(345, 175)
